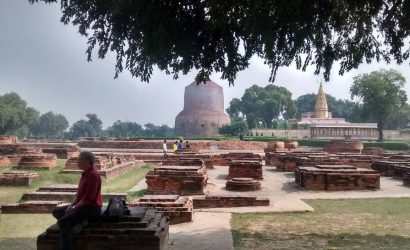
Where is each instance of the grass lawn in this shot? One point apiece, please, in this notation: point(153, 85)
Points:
point(19, 231)
point(46, 177)
point(335, 224)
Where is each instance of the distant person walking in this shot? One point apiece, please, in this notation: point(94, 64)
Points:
point(180, 146)
point(164, 149)
point(175, 147)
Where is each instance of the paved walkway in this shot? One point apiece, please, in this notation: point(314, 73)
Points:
point(208, 231)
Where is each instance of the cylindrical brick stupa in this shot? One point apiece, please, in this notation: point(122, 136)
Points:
point(203, 112)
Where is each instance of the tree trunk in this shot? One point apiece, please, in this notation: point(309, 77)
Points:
point(380, 129)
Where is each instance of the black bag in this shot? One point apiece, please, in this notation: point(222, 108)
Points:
point(116, 208)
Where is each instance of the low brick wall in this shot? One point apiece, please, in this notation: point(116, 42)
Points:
point(243, 184)
point(229, 201)
point(38, 161)
point(245, 169)
point(17, 178)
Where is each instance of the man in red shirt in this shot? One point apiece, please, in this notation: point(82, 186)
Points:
point(87, 203)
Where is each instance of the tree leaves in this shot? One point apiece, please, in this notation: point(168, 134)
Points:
point(207, 35)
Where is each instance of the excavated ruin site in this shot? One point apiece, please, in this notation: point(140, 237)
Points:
point(212, 176)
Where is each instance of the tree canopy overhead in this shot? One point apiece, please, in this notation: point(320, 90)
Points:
point(222, 36)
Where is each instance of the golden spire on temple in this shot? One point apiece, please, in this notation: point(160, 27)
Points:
point(321, 109)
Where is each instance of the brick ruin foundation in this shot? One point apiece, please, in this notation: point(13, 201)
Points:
point(14, 151)
point(288, 161)
point(229, 201)
point(206, 158)
point(182, 180)
point(38, 161)
point(225, 159)
point(143, 229)
point(243, 184)
point(245, 169)
point(336, 178)
point(8, 139)
point(46, 198)
point(4, 161)
point(179, 209)
point(110, 166)
point(350, 146)
point(17, 178)
point(64, 152)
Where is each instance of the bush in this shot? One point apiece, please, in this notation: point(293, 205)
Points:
point(388, 145)
point(312, 143)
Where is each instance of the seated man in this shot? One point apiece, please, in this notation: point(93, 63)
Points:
point(87, 203)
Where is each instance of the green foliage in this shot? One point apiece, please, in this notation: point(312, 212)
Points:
point(382, 94)
point(312, 143)
point(222, 36)
point(152, 130)
point(340, 108)
point(125, 129)
point(388, 145)
point(15, 114)
point(237, 125)
point(263, 105)
point(90, 128)
point(49, 125)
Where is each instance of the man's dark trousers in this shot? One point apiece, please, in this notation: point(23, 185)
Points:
point(66, 221)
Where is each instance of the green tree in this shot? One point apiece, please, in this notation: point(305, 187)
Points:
point(152, 130)
point(50, 125)
point(125, 129)
point(15, 114)
point(349, 110)
point(234, 109)
point(90, 128)
point(381, 93)
point(237, 125)
point(262, 105)
point(222, 36)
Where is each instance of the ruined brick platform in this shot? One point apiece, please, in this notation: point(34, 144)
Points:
point(4, 161)
point(336, 178)
point(17, 178)
point(229, 201)
point(38, 161)
point(183, 162)
point(63, 153)
point(225, 159)
point(143, 229)
point(243, 184)
point(46, 198)
point(8, 139)
point(273, 146)
point(289, 161)
point(182, 180)
point(387, 167)
point(245, 169)
point(179, 209)
point(206, 158)
point(350, 146)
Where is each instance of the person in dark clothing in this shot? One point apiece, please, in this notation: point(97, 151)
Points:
point(86, 205)
point(180, 146)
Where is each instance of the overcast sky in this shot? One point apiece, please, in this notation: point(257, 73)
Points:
point(44, 61)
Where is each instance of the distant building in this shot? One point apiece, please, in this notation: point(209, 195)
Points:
point(203, 112)
point(323, 126)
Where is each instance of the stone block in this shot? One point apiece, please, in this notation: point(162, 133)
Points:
point(179, 209)
point(17, 178)
point(243, 184)
point(183, 180)
point(229, 201)
point(143, 229)
point(245, 169)
point(38, 161)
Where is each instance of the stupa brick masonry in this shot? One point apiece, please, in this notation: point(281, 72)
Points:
point(336, 178)
point(245, 169)
point(46, 198)
point(243, 184)
point(182, 180)
point(143, 229)
point(17, 178)
point(179, 209)
point(38, 161)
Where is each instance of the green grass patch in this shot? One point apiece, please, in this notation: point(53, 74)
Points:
point(20, 231)
point(46, 177)
point(126, 181)
point(335, 224)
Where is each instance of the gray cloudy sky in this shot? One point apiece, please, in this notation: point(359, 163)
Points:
point(44, 61)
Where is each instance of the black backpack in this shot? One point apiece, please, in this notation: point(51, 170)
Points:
point(116, 208)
